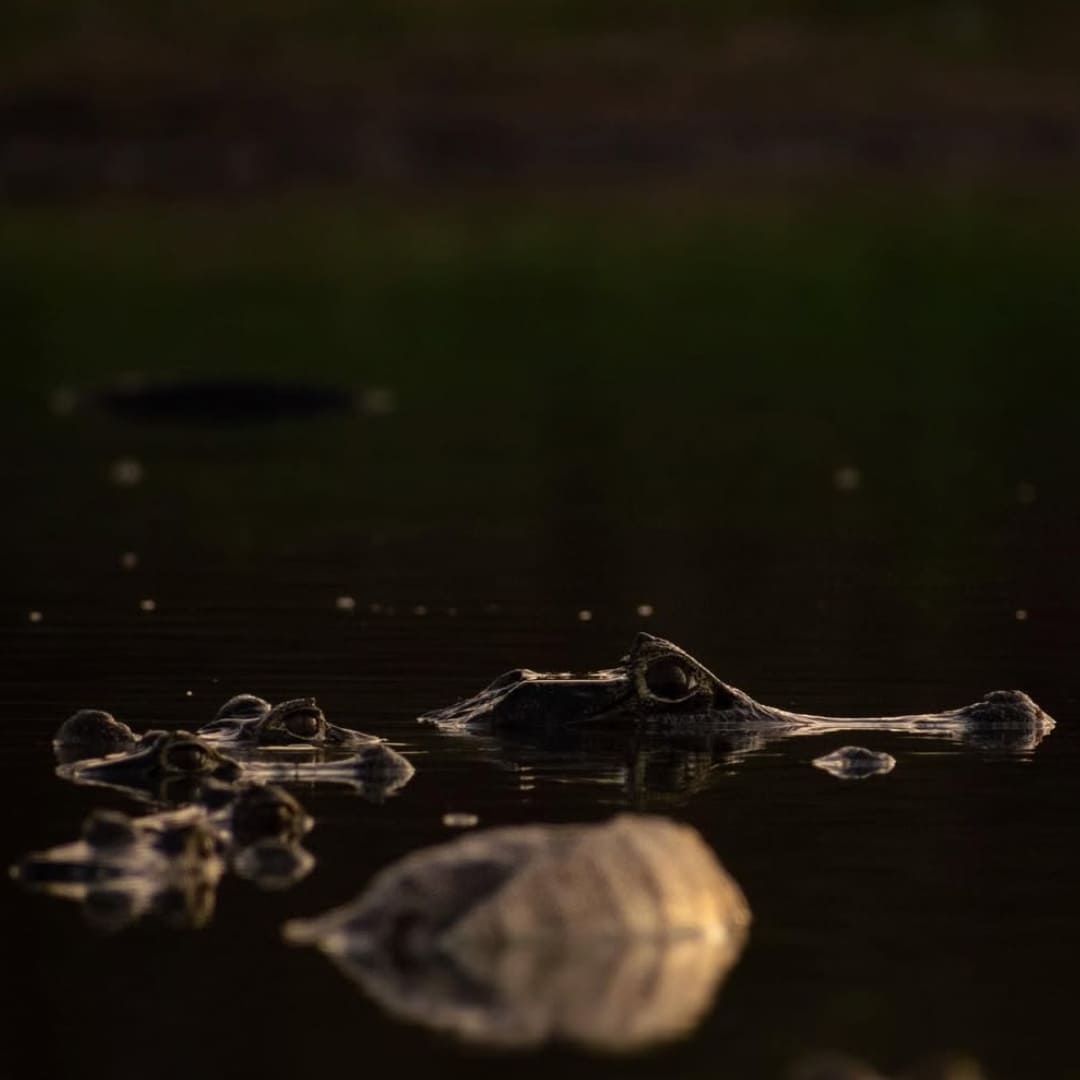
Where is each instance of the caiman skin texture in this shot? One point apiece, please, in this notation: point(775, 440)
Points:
point(248, 739)
point(659, 687)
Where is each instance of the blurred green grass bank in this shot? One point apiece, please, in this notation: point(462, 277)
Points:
point(912, 300)
point(635, 213)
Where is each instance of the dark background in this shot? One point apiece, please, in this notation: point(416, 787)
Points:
point(637, 283)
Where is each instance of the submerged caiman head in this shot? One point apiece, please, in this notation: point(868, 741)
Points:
point(160, 755)
point(250, 721)
point(656, 679)
point(658, 687)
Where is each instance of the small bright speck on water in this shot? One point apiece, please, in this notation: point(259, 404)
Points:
point(584, 615)
point(1021, 614)
point(64, 401)
point(35, 616)
point(129, 560)
point(148, 604)
point(460, 820)
point(345, 603)
point(378, 401)
point(126, 472)
point(645, 610)
point(847, 478)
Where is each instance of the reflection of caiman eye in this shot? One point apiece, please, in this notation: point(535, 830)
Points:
point(204, 845)
point(186, 757)
point(304, 725)
point(263, 818)
point(668, 679)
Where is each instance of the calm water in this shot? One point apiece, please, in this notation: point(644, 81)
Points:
point(932, 909)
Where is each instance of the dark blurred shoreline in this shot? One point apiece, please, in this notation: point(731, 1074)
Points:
point(136, 113)
point(58, 147)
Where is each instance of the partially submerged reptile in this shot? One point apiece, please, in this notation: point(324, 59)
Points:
point(244, 723)
point(614, 936)
point(178, 763)
point(247, 722)
point(659, 688)
point(177, 766)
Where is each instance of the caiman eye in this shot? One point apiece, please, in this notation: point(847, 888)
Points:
point(668, 679)
point(270, 819)
point(186, 757)
point(304, 725)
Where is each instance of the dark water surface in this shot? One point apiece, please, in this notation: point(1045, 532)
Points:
point(932, 909)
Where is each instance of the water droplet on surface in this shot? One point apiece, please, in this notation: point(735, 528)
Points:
point(345, 603)
point(584, 615)
point(126, 472)
point(460, 820)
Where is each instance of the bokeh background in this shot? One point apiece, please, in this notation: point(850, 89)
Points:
point(752, 324)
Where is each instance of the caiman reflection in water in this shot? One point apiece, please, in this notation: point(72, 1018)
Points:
point(612, 936)
point(169, 864)
point(841, 1067)
point(666, 721)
